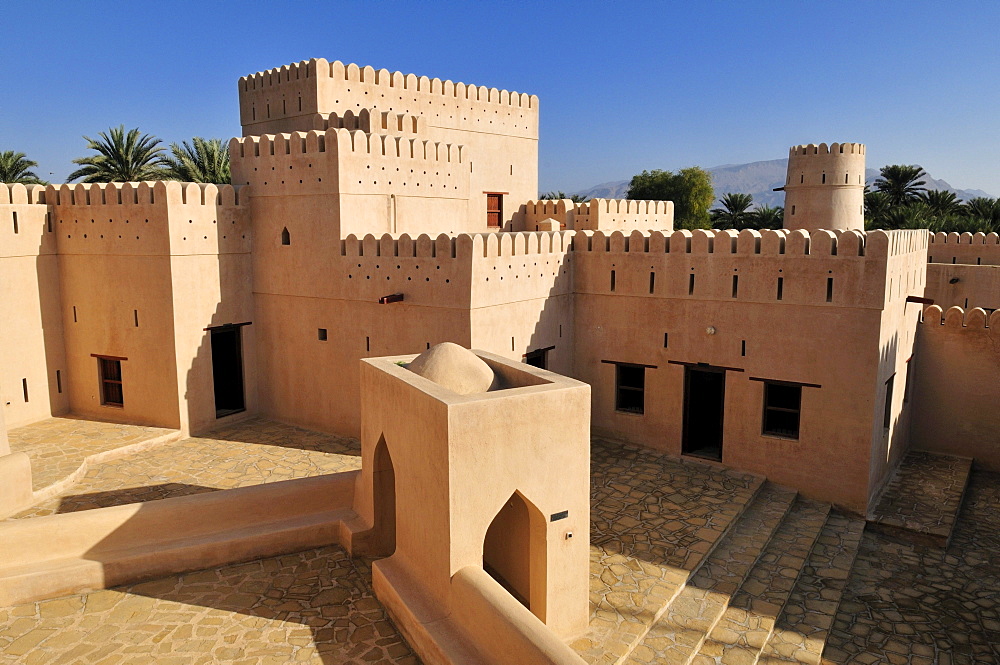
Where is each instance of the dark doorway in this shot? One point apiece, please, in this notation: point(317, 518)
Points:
point(704, 397)
point(384, 499)
point(227, 371)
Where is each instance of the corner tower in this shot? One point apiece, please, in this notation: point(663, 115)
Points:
point(825, 187)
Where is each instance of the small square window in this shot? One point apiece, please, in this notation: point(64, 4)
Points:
point(630, 388)
point(321, 334)
point(782, 406)
point(110, 372)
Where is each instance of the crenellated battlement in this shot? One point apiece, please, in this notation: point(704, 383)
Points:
point(144, 193)
point(344, 141)
point(17, 194)
point(749, 241)
point(824, 149)
point(965, 248)
point(602, 214)
point(958, 318)
point(319, 68)
point(463, 245)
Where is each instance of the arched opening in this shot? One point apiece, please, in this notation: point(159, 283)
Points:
point(384, 499)
point(286, 238)
point(514, 552)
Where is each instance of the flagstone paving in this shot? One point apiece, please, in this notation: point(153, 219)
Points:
point(314, 607)
point(251, 452)
point(58, 446)
point(911, 604)
point(923, 498)
point(654, 519)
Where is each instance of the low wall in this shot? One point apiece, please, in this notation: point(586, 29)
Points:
point(110, 546)
point(956, 385)
point(15, 484)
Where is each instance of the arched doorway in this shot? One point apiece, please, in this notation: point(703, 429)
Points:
point(514, 552)
point(384, 499)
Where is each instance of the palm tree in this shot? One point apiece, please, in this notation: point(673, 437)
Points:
point(15, 167)
point(575, 198)
point(877, 206)
point(205, 160)
point(941, 202)
point(901, 183)
point(734, 213)
point(984, 211)
point(768, 217)
point(121, 157)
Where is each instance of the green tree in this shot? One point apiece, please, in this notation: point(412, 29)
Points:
point(690, 189)
point(941, 203)
point(877, 206)
point(16, 167)
point(901, 183)
point(204, 160)
point(983, 212)
point(768, 217)
point(121, 157)
point(734, 213)
point(575, 198)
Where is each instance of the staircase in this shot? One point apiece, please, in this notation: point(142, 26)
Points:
point(767, 593)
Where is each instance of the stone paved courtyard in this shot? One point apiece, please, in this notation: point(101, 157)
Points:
point(251, 452)
point(58, 446)
point(312, 607)
point(689, 563)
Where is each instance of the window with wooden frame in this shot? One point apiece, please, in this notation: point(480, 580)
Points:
point(494, 209)
point(630, 388)
point(110, 372)
point(782, 408)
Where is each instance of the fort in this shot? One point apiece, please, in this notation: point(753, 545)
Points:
point(379, 223)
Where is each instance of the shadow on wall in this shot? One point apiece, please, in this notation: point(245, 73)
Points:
point(552, 339)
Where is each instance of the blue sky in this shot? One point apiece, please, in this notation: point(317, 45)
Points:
point(623, 86)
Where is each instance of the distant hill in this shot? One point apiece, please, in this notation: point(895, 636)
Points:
point(759, 179)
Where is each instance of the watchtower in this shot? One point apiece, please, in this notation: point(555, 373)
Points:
point(825, 187)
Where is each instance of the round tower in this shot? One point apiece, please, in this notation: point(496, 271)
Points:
point(825, 187)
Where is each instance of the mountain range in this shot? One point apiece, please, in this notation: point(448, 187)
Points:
point(759, 179)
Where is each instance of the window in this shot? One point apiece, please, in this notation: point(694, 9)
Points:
point(630, 388)
point(537, 358)
point(321, 334)
point(782, 404)
point(110, 371)
point(286, 237)
point(494, 210)
point(887, 411)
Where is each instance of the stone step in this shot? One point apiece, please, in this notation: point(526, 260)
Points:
point(745, 627)
point(921, 502)
point(654, 521)
point(802, 628)
point(679, 633)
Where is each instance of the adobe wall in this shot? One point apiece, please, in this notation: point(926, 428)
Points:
point(793, 339)
point(469, 289)
point(601, 215)
point(964, 248)
point(824, 187)
point(500, 127)
point(33, 366)
point(905, 275)
point(975, 285)
point(130, 256)
point(956, 388)
point(337, 182)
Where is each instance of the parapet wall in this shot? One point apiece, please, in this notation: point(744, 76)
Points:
point(164, 217)
point(25, 222)
point(601, 214)
point(846, 268)
point(956, 384)
point(965, 248)
point(287, 96)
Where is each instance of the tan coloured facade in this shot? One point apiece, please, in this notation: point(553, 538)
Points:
point(378, 214)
